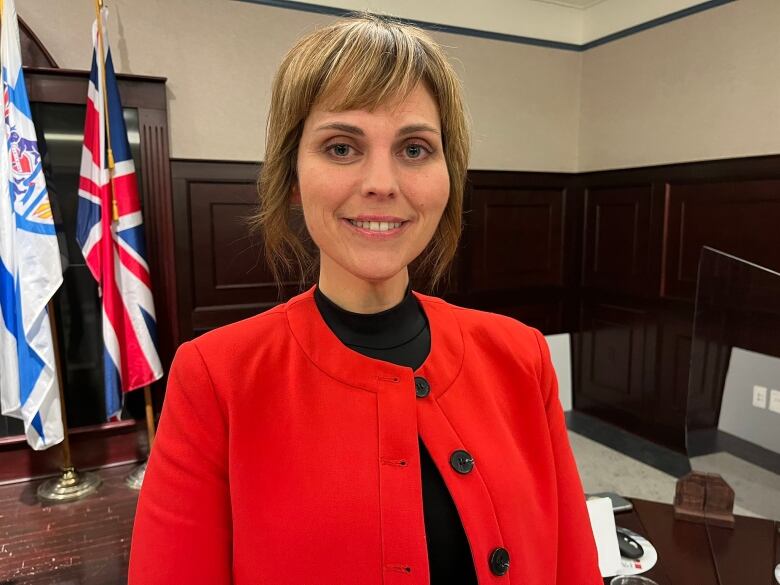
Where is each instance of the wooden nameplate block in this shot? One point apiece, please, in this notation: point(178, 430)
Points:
point(704, 498)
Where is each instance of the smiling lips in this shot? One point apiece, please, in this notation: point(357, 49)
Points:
point(375, 226)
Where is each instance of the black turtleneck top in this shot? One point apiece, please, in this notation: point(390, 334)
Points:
point(401, 336)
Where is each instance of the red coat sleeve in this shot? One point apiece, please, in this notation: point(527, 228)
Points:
point(183, 531)
point(577, 555)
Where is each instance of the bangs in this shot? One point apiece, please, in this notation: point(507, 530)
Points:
point(369, 66)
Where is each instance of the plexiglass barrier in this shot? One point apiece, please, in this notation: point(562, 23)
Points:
point(733, 412)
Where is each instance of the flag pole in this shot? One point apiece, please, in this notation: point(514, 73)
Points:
point(136, 478)
point(149, 415)
point(71, 485)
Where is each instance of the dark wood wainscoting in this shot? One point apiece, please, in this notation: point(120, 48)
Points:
point(518, 255)
point(643, 234)
point(616, 250)
point(221, 273)
point(739, 217)
point(524, 271)
point(609, 256)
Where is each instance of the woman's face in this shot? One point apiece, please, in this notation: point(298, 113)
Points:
point(373, 186)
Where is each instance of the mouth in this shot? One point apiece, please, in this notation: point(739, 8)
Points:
point(376, 226)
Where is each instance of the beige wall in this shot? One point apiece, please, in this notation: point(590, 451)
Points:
point(703, 87)
point(609, 16)
point(524, 103)
point(219, 56)
point(707, 86)
point(530, 18)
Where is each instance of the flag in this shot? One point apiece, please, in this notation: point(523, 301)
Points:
point(30, 269)
point(111, 235)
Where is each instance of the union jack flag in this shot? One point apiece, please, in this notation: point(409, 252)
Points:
point(111, 235)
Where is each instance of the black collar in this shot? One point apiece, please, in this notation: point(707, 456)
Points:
point(387, 329)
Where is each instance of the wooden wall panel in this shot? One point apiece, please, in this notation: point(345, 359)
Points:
point(520, 248)
point(220, 267)
point(548, 317)
point(517, 238)
point(229, 267)
point(91, 447)
point(617, 228)
point(675, 333)
point(737, 217)
point(616, 354)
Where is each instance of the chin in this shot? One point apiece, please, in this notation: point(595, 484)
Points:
point(376, 276)
point(376, 272)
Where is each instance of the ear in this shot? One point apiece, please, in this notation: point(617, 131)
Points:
point(295, 194)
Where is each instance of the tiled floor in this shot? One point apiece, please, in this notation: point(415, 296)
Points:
point(603, 469)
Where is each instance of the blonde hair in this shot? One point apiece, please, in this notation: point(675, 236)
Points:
point(359, 63)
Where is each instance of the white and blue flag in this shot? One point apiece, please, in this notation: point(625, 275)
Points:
point(30, 269)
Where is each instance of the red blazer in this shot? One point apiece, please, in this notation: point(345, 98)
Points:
point(283, 457)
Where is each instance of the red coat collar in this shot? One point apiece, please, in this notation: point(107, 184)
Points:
point(346, 365)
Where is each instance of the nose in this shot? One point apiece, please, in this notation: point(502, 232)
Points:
point(379, 179)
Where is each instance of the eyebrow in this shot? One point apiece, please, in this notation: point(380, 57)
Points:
point(350, 129)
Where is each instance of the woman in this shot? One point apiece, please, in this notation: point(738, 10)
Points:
point(362, 433)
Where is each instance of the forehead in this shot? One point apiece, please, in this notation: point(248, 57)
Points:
point(416, 105)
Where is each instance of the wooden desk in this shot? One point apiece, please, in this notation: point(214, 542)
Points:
point(746, 554)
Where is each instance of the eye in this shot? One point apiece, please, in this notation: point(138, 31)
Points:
point(339, 150)
point(416, 151)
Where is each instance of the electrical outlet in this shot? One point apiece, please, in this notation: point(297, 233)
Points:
point(774, 401)
point(759, 396)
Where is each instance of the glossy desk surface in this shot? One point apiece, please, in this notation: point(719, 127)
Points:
point(688, 555)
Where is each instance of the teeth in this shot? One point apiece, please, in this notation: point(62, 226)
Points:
point(375, 226)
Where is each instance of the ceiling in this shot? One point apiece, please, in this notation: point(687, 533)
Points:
point(569, 24)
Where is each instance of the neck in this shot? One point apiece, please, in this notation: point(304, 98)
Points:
point(356, 295)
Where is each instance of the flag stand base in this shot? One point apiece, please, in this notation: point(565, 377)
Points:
point(70, 486)
point(136, 478)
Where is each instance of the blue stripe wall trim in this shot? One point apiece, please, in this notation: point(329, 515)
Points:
point(654, 23)
point(496, 36)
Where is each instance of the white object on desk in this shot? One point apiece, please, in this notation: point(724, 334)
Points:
point(644, 563)
point(602, 522)
point(777, 573)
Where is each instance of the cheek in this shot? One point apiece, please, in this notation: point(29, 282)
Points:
point(322, 197)
point(433, 192)
point(320, 192)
